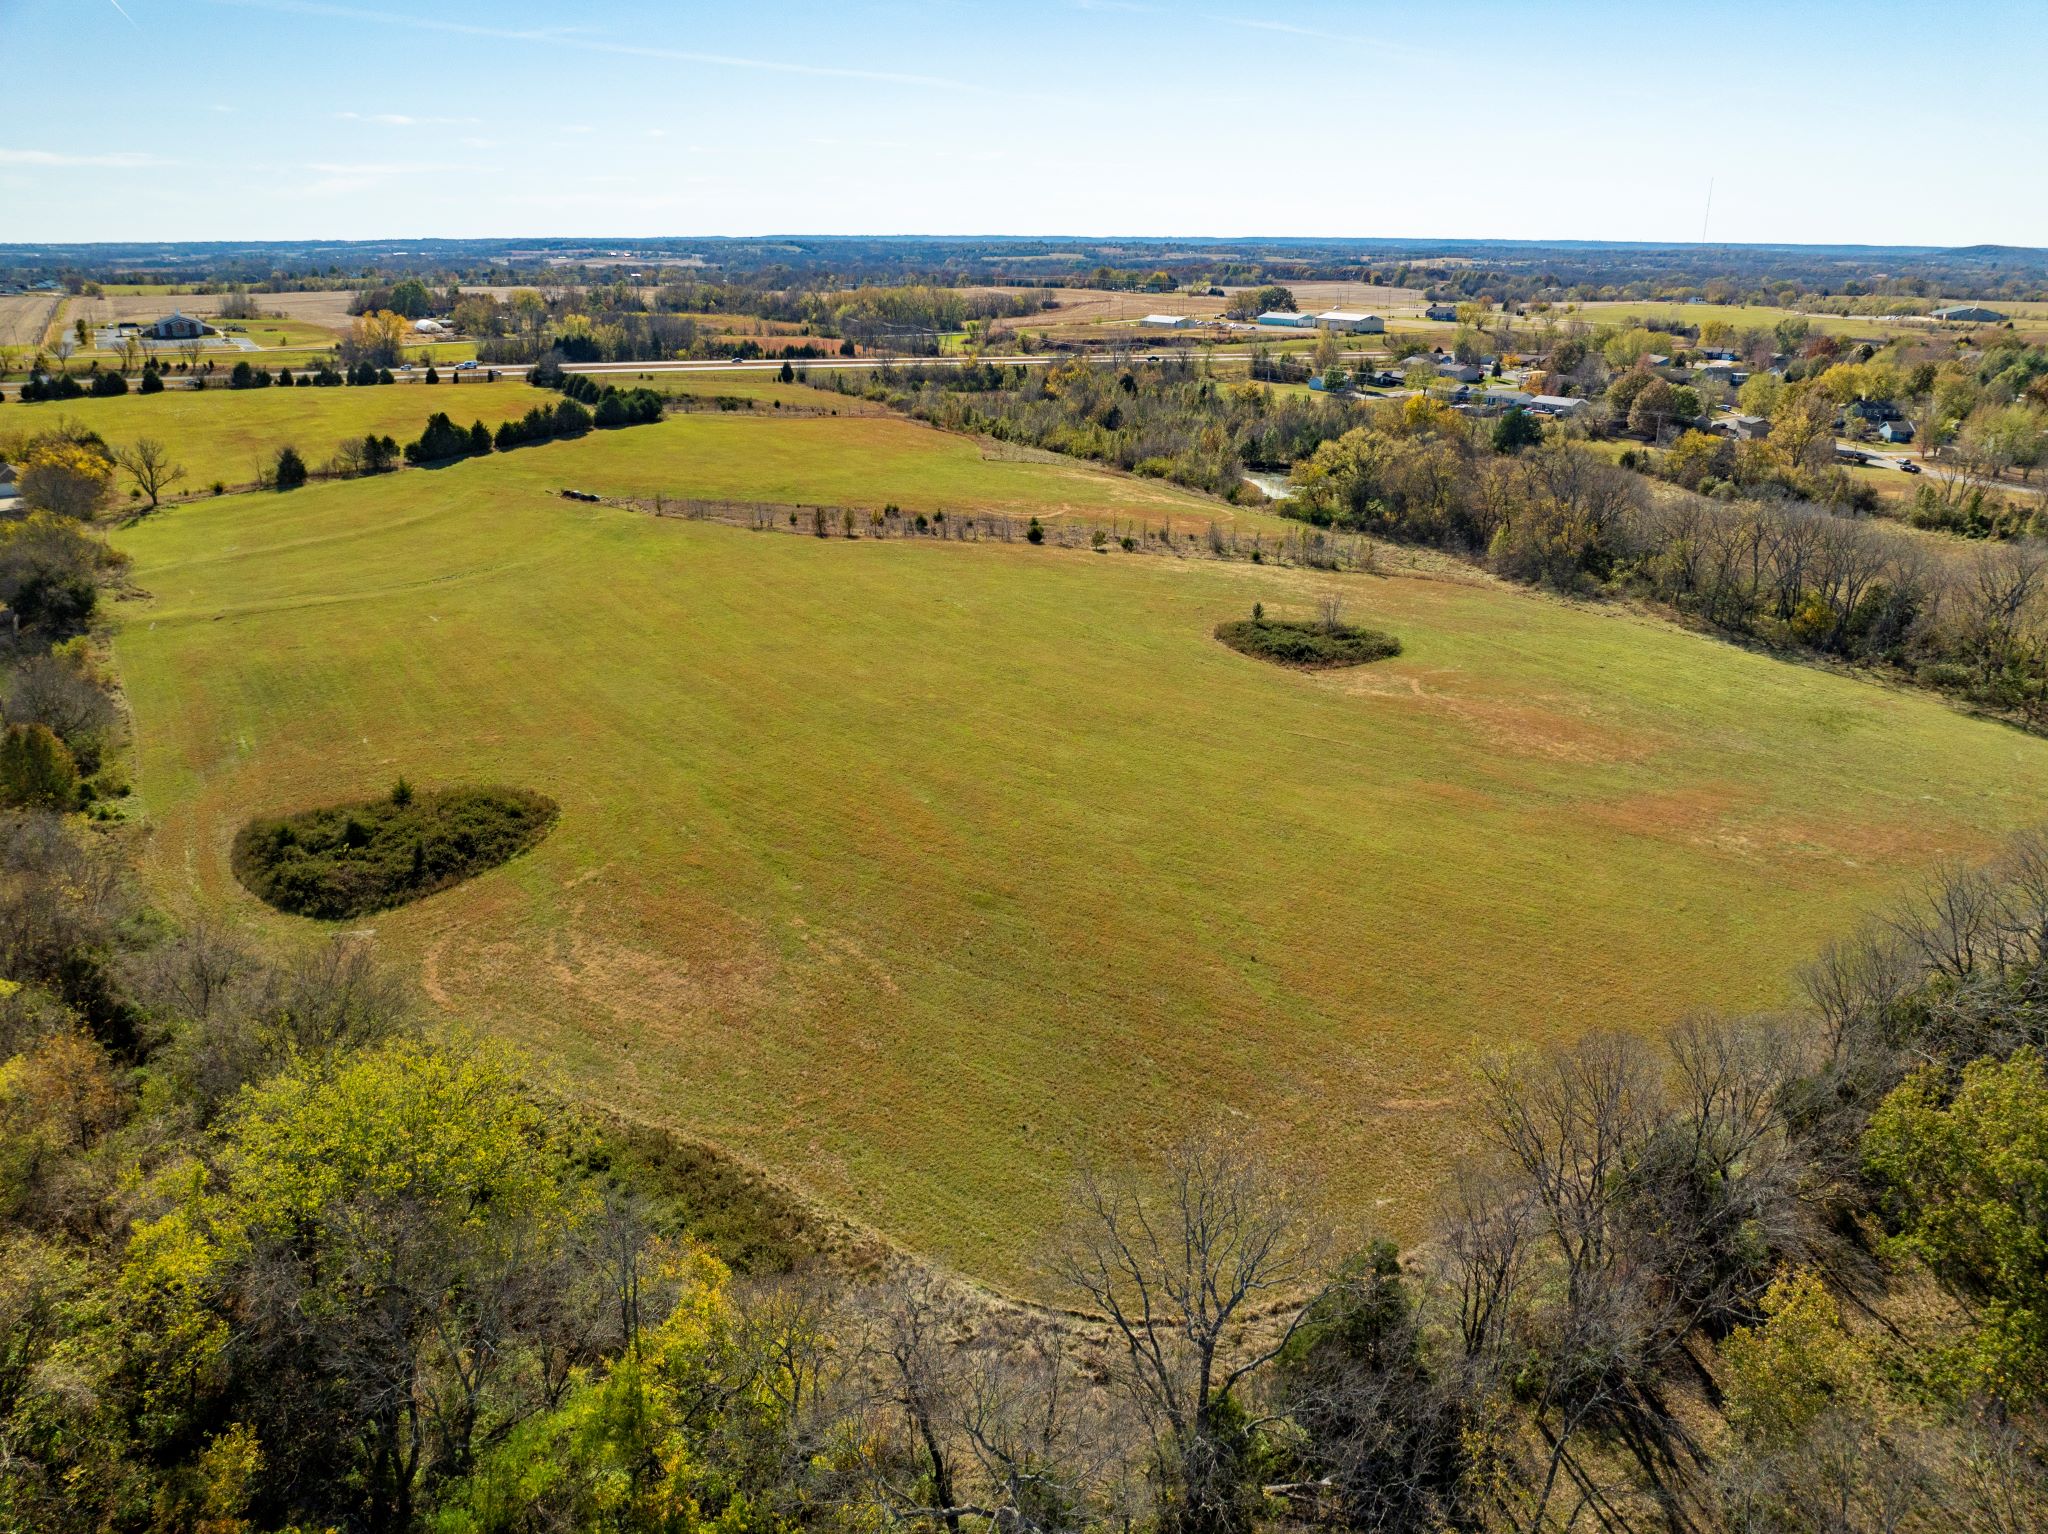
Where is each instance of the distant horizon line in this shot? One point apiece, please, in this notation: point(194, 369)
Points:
point(28, 246)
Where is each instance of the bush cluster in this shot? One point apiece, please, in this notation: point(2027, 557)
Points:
point(1308, 646)
point(443, 440)
point(350, 859)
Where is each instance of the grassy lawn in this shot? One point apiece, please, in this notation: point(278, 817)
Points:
point(904, 869)
point(281, 334)
point(222, 434)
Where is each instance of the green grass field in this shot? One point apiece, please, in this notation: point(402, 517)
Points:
point(903, 870)
point(862, 461)
point(281, 334)
point(762, 387)
point(223, 434)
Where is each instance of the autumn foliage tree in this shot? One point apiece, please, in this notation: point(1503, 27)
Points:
point(36, 769)
point(67, 476)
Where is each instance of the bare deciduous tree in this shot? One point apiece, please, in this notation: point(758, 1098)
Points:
point(148, 464)
point(1181, 1266)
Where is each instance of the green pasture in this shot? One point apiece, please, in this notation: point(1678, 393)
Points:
point(223, 434)
point(908, 870)
point(864, 461)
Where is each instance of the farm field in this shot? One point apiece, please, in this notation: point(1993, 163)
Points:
point(24, 317)
point(321, 311)
point(762, 388)
point(903, 870)
point(1741, 316)
point(222, 434)
point(863, 461)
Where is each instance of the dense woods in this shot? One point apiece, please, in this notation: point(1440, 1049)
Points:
point(1963, 618)
point(1171, 419)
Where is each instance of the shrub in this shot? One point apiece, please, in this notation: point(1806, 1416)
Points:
point(152, 381)
point(1307, 646)
point(1035, 533)
point(442, 439)
point(1516, 430)
point(290, 470)
point(106, 385)
point(1948, 676)
point(347, 860)
point(67, 475)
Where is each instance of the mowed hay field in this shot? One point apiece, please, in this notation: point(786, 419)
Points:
point(866, 462)
point(906, 869)
point(227, 434)
point(761, 386)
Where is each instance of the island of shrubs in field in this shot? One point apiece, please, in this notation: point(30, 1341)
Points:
point(1308, 644)
point(350, 859)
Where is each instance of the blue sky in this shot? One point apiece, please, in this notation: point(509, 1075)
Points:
point(1875, 122)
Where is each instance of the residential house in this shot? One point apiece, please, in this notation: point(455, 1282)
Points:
point(1895, 432)
point(1554, 404)
point(1740, 427)
point(1500, 401)
point(1441, 312)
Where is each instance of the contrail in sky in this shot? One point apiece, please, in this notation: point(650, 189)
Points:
point(116, 4)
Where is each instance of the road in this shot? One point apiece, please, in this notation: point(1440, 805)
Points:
point(808, 364)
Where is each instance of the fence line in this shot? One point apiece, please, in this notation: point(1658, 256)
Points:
point(1309, 548)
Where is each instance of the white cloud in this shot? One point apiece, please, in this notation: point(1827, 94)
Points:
point(557, 38)
point(402, 119)
point(123, 161)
